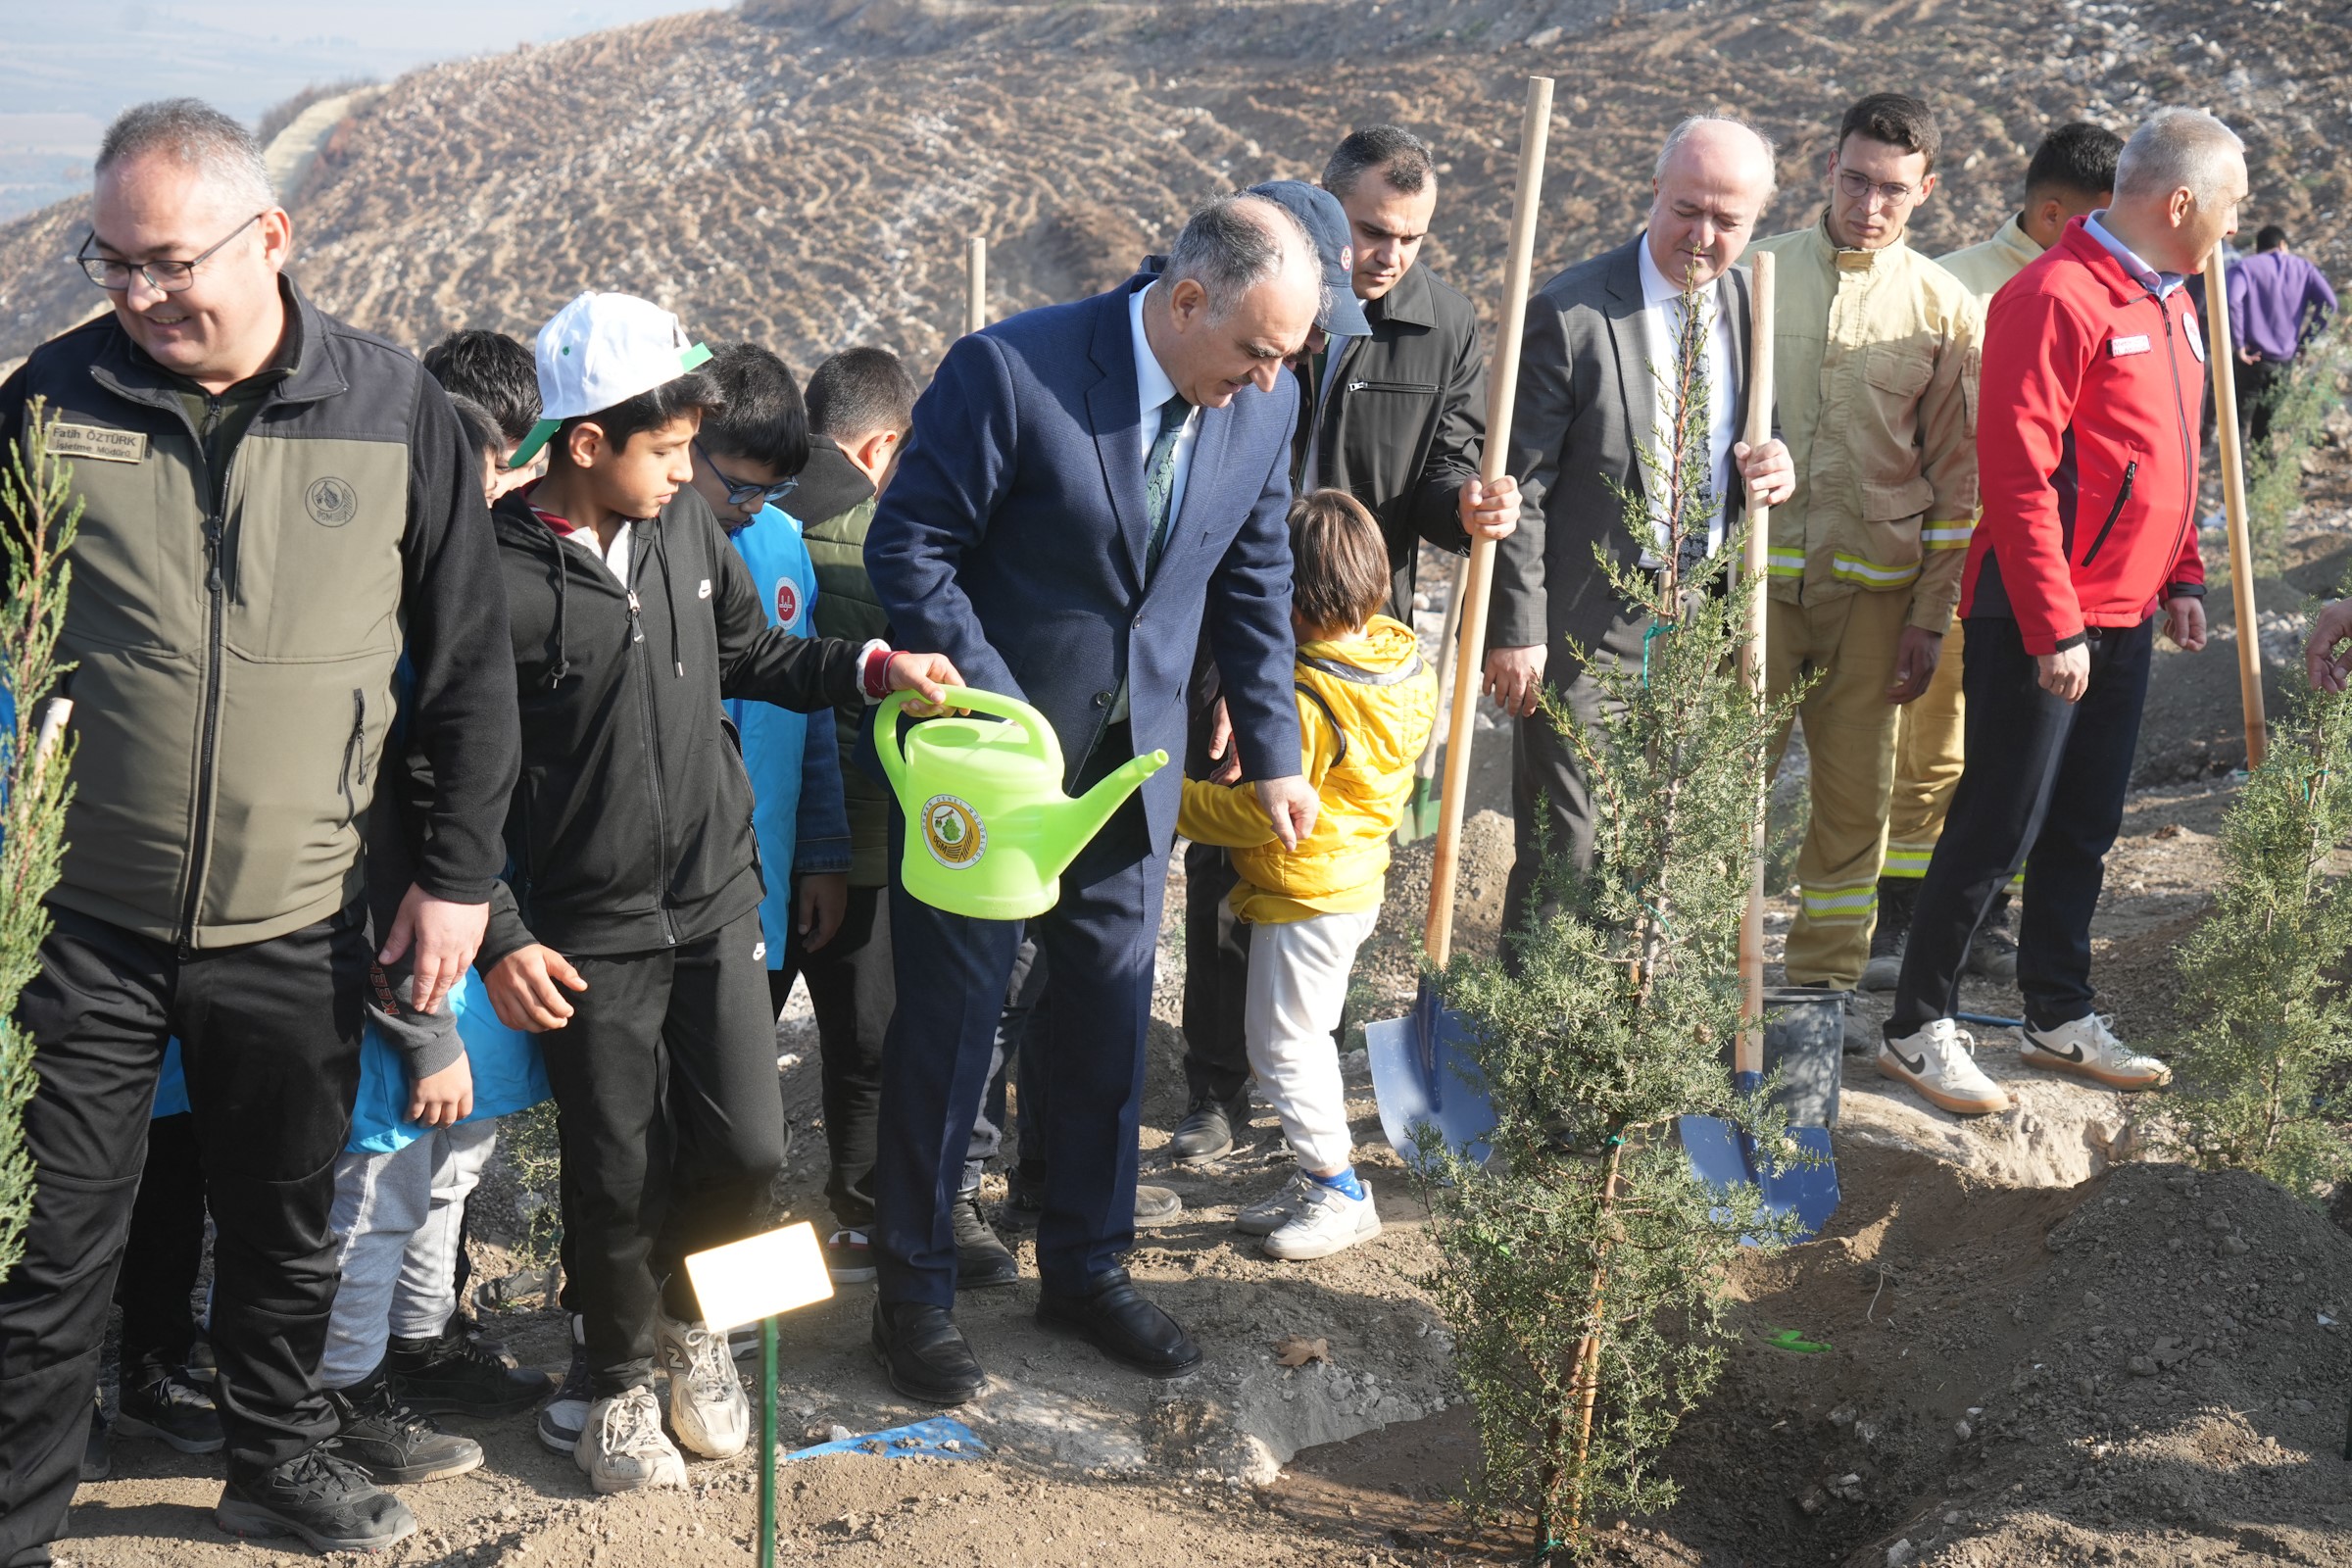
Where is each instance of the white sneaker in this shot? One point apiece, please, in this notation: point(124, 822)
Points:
point(2088, 1049)
point(1275, 1211)
point(1329, 1222)
point(622, 1448)
point(1939, 1062)
point(706, 1406)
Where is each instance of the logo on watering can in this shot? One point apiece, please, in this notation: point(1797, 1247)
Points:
point(952, 832)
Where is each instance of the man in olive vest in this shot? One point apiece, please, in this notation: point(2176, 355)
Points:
point(278, 512)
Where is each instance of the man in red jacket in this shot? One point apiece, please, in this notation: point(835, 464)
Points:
point(2086, 452)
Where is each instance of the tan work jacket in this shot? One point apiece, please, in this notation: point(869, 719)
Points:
point(1985, 266)
point(1875, 374)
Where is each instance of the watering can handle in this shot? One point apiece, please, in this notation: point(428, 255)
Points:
point(1037, 739)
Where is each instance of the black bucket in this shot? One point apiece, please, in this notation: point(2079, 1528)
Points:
point(1804, 1040)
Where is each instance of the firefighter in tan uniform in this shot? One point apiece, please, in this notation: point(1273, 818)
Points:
point(1876, 379)
point(2071, 174)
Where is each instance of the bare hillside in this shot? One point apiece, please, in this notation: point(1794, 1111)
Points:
point(805, 172)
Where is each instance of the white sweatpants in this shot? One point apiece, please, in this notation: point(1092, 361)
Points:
point(1299, 974)
point(396, 1222)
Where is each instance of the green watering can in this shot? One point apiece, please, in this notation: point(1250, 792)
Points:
point(989, 831)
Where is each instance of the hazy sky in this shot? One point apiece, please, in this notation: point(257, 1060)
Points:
point(68, 68)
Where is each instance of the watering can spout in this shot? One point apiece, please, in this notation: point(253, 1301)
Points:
point(1084, 816)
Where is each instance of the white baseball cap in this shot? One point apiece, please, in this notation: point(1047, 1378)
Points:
point(600, 350)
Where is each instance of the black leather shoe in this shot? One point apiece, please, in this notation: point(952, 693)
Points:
point(451, 1374)
point(981, 1260)
point(1116, 1319)
point(923, 1351)
point(1208, 1129)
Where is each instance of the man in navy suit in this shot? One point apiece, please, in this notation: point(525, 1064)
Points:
point(1086, 487)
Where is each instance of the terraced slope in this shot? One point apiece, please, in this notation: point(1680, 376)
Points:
point(805, 172)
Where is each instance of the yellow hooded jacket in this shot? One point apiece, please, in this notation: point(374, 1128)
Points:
point(1366, 706)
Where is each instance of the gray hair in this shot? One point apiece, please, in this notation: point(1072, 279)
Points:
point(200, 140)
point(2176, 148)
point(1232, 243)
point(1697, 122)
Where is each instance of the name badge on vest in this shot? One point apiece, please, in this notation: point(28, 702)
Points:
point(2196, 339)
point(97, 442)
point(2117, 347)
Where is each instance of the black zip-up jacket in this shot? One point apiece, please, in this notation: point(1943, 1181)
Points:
point(631, 826)
point(1404, 427)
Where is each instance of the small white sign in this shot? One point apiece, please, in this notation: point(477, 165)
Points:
point(759, 1277)
point(2138, 343)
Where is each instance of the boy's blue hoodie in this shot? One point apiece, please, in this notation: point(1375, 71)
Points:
point(797, 810)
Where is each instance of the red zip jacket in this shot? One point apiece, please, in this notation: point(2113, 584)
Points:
point(2086, 449)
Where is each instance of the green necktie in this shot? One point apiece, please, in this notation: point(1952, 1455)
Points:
point(1159, 479)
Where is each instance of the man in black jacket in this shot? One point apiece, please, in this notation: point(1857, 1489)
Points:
point(634, 882)
point(277, 509)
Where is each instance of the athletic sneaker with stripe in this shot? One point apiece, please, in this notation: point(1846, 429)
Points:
point(1940, 1061)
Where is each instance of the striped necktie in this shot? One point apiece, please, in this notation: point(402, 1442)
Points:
point(1159, 479)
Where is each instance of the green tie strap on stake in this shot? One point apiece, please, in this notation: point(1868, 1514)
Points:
point(758, 1280)
point(1794, 1342)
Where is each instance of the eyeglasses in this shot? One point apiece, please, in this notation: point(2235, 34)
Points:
point(1859, 187)
point(169, 277)
point(740, 494)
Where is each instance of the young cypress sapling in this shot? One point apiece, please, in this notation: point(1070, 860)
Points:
point(1582, 1268)
point(37, 518)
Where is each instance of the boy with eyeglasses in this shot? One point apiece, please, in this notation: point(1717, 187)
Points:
point(1875, 381)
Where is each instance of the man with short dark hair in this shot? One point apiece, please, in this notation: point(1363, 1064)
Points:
point(2093, 371)
point(2072, 172)
point(1876, 358)
point(2279, 302)
point(278, 511)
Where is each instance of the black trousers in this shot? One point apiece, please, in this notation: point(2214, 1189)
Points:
point(269, 1040)
point(1008, 1064)
point(2045, 779)
point(673, 1130)
point(850, 988)
point(2260, 386)
point(162, 1253)
point(1100, 942)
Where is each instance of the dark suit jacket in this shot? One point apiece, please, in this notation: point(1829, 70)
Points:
point(1011, 539)
point(1584, 389)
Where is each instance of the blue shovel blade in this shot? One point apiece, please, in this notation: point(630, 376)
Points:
point(1724, 1158)
point(1423, 1075)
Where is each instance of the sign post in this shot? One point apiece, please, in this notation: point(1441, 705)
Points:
point(758, 1280)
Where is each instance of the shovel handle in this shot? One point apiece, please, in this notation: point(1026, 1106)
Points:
point(1503, 391)
point(1747, 1054)
point(2219, 358)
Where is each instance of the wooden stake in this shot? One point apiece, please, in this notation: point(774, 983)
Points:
point(975, 283)
point(1748, 1056)
point(1502, 388)
point(2220, 357)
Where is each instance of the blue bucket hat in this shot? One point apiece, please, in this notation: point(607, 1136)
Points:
point(1326, 223)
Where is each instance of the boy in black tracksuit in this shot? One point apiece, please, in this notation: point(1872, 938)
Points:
point(628, 923)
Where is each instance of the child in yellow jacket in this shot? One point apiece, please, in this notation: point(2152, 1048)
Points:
point(1366, 705)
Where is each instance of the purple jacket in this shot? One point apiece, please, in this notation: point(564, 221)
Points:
point(2277, 302)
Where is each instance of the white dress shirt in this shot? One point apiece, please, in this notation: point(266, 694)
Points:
point(1153, 389)
point(1662, 326)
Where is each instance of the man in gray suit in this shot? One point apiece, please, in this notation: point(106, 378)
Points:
point(1588, 404)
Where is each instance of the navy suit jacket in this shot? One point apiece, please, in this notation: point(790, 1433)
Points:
point(1011, 539)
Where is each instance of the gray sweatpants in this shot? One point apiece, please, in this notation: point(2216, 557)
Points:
point(396, 1221)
